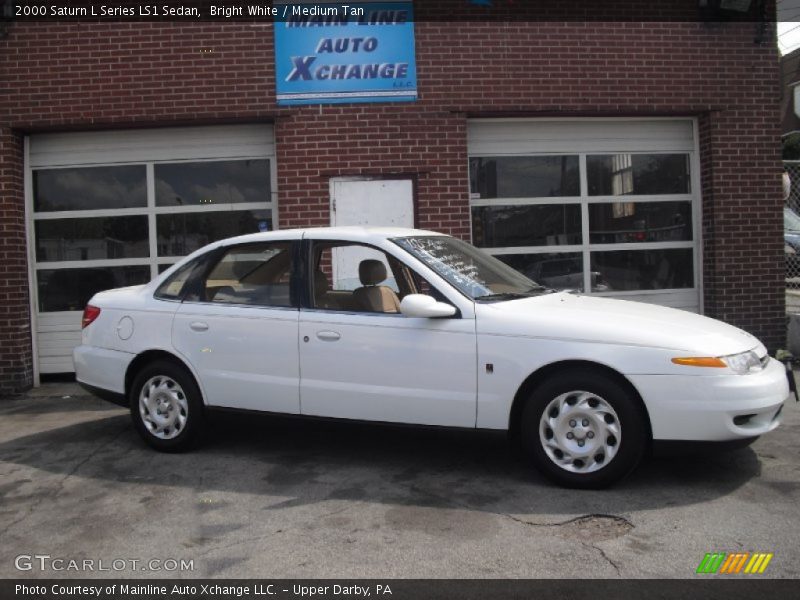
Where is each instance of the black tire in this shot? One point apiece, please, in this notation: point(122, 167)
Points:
point(632, 427)
point(190, 433)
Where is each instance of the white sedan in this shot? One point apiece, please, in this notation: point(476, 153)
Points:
point(410, 326)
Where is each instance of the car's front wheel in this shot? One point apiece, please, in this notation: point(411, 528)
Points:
point(584, 429)
point(166, 407)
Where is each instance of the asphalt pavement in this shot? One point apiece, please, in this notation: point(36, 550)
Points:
point(275, 497)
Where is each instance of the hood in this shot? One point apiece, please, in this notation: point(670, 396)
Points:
point(594, 319)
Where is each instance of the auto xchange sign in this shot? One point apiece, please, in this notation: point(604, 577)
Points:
point(357, 52)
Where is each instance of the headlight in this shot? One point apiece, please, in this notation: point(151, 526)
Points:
point(745, 362)
point(787, 249)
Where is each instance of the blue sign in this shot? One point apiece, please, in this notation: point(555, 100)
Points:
point(355, 52)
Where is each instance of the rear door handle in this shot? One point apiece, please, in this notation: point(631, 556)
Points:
point(198, 326)
point(328, 336)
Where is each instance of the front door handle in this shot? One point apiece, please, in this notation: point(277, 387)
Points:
point(198, 326)
point(328, 336)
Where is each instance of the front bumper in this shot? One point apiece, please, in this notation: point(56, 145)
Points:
point(714, 407)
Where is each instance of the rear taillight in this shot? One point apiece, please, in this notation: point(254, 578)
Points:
point(90, 313)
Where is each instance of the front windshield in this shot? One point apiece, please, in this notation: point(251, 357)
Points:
point(472, 271)
point(791, 220)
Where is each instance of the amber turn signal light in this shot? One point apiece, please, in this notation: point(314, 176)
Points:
point(700, 361)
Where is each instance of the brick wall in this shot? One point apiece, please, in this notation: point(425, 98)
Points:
point(16, 361)
point(428, 145)
point(81, 75)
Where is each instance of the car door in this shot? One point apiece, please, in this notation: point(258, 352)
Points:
point(380, 366)
point(239, 329)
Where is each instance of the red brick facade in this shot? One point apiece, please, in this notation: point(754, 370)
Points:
point(16, 361)
point(81, 75)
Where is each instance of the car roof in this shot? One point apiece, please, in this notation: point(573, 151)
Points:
point(370, 235)
point(351, 233)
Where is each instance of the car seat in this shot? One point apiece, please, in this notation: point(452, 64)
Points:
point(372, 297)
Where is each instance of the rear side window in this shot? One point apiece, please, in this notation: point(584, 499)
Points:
point(252, 275)
point(173, 287)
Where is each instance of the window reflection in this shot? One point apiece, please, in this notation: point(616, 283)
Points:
point(645, 269)
point(183, 233)
point(91, 239)
point(524, 176)
point(71, 289)
point(256, 275)
point(625, 222)
point(559, 271)
point(526, 225)
point(623, 174)
point(215, 182)
point(89, 188)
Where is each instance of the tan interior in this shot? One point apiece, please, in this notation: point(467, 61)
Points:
point(370, 297)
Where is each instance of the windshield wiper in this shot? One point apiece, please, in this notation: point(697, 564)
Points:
point(536, 290)
point(503, 296)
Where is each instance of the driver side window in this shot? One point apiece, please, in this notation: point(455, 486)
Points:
point(358, 278)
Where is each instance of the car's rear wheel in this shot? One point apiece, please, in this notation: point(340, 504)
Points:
point(166, 407)
point(583, 429)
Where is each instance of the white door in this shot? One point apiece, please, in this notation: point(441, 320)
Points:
point(240, 332)
point(375, 202)
point(244, 356)
point(367, 202)
point(389, 368)
point(383, 366)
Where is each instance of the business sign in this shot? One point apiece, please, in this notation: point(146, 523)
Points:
point(334, 53)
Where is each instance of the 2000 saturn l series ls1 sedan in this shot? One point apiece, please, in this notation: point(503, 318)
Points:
point(409, 326)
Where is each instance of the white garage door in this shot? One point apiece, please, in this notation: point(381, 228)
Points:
point(114, 208)
point(605, 206)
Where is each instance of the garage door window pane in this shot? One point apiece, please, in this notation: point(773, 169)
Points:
point(526, 225)
point(183, 233)
point(71, 289)
point(644, 269)
point(91, 239)
point(558, 271)
point(89, 188)
point(622, 174)
point(216, 182)
point(524, 176)
point(624, 222)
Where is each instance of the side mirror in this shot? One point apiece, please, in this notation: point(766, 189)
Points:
point(421, 305)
